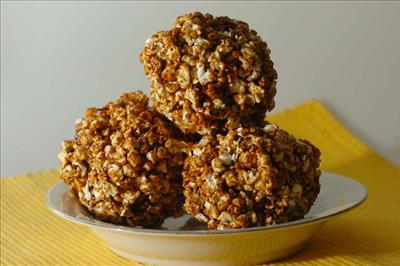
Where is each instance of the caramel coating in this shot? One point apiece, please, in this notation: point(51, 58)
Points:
point(125, 163)
point(251, 177)
point(209, 73)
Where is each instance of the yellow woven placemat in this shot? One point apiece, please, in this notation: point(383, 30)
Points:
point(369, 235)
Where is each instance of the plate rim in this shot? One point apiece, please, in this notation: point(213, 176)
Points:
point(127, 229)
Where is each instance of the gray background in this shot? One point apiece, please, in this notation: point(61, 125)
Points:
point(59, 58)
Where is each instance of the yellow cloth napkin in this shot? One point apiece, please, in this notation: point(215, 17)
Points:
point(369, 235)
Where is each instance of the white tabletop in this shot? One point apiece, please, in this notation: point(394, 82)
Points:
point(59, 58)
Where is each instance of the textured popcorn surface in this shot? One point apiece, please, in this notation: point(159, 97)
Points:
point(206, 145)
point(209, 73)
point(251, 177)
point(125, 163)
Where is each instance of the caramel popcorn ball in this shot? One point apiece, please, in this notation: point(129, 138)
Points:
point(209, 73)
point(125, 163)
point(251, 177)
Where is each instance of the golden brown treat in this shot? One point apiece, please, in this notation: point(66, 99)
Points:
point(251, 177)
point(209, 73)
point(125, 163)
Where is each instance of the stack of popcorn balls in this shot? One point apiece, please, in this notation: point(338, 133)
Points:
point(206, 146)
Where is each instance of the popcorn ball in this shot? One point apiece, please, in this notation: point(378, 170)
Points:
point(125, 163)
point(251, 177)
point(209, 73)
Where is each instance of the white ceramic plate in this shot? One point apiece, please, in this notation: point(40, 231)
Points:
point(185, 241)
